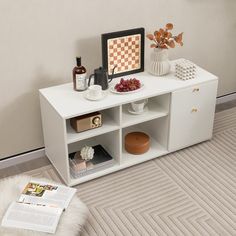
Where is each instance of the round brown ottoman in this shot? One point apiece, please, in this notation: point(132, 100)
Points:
point(137, 143)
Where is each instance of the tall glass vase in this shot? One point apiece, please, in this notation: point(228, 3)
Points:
point(159, 63)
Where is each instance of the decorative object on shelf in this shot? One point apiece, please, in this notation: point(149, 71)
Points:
point(91, 98)
point(113, 90)
point(79, 76)
point(185, 69)
point(101, 77)
point(101, 160)
point(86, 122)
point(127, 86)
point(162, 40)
point(159, 64)
point(138, 106)
point(95, 93)
point(137, 143)
point(87, 153)
point(125, 49)
point(131, 111)
point(78, 164)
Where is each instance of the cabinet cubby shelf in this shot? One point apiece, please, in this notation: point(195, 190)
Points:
point(156, 149)
point(168, 120)
point(108, 126)
point(97, 174)
point(153, 111)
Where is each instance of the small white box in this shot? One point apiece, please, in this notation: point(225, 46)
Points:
point(185, 70)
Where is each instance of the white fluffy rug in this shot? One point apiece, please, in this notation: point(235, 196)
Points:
point(71, 220)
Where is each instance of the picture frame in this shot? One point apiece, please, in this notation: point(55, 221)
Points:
point(123, 50)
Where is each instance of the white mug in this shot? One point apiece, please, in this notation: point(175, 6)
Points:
point(138, 106)
point(95, 91)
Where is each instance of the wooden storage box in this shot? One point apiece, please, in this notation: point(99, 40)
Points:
point(137, 143)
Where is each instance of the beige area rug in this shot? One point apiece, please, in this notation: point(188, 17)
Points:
point(189, 192)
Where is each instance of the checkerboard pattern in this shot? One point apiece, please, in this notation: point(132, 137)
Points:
point(125, 52)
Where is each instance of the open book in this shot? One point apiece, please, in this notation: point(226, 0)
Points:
point(39, 207)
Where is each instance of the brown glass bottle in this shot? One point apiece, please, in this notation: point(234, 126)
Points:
point(79, 76)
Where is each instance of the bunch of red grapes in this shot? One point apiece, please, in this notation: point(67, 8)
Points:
point(127, 85)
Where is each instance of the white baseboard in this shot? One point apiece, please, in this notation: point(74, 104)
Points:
point(22, 158)
point(226, 98)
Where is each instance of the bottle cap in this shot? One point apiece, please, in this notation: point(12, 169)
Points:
point(78, 60)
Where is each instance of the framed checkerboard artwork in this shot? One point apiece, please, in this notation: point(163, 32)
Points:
point(123, 50)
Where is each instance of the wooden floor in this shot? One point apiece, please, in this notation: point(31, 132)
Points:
point(40, 162)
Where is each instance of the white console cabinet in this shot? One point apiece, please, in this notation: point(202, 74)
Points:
point(180, 114)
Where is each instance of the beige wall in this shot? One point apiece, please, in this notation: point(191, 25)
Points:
point(40, 39)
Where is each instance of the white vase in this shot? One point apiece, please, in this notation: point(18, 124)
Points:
point(159, 64)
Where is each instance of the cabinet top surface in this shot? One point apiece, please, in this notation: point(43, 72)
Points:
point(69, 103)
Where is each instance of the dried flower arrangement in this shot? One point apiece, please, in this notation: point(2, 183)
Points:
point(164, 39)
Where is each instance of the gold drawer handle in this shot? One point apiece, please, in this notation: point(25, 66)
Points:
point(194, 110)
point(196, 90)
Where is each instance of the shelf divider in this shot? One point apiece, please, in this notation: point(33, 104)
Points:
point(156, 149)
point(153, 111)
point(108, 125)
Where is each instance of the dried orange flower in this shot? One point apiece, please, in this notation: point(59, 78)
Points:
point(163, 38)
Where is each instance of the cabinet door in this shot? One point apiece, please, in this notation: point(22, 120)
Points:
point(192, 115)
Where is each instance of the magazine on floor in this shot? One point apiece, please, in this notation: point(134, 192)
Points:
point(39, 207)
